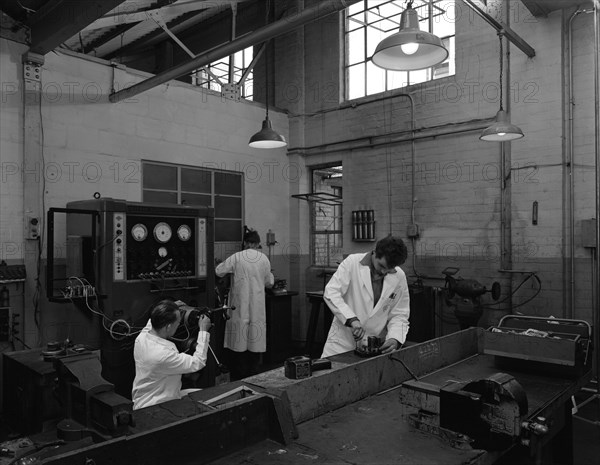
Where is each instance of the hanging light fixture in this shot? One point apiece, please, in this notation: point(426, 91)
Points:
point(502, 130)
point(267, 138)
point(410, 48)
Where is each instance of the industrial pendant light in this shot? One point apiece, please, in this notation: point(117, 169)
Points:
point(410, 48)
point(267, 138)
point(502, 130)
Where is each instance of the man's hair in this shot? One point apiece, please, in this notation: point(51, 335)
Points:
point(251, 237)
point(392, 249)
point(163, 314)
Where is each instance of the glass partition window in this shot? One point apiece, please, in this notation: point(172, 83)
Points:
point(187, 185)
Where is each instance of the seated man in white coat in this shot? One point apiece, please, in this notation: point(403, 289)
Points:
point(158, 363)
point(368, 296)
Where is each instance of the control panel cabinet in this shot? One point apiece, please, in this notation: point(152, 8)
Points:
point(123, 257)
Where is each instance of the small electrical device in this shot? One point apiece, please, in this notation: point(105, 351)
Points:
point(298, 367)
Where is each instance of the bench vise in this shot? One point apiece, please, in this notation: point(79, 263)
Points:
point(90, 404)
point(485, 414)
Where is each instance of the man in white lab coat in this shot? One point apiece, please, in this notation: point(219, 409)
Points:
point(246, 330)
point(368, 296)
point(158, 363)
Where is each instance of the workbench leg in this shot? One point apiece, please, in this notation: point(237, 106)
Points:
point(312, 328)
point(562, 443)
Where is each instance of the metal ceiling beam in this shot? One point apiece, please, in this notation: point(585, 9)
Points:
point(171, 10)
point(308, 15)
point(59, 20)
point(479, 7)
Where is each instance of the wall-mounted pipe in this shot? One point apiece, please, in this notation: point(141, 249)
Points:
point(369, 142)
point(596, 307)
point(285, 25)
point(570, 163)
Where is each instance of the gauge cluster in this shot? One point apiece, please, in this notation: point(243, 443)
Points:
point(160, 248)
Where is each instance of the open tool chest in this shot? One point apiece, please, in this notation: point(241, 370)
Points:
point(555, 346)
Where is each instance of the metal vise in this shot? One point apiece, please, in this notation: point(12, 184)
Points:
point(89, 401)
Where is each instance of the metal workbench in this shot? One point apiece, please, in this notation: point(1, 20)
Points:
point(349, 414)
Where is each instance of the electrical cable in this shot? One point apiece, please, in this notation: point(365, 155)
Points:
point(528, 277)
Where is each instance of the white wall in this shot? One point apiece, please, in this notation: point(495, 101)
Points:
point(90, 145)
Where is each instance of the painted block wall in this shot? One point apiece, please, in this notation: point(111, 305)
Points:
point(457, 181)
point(91, 145)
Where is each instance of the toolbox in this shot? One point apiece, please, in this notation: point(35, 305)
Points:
point(552, 345)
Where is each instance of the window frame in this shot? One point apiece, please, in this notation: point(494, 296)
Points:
point(338, 221)
point(403, 76)
point(213, 194)
point(201, 78)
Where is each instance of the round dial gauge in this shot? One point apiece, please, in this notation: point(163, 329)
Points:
point(162, 232)
point(184, 232)
point(139, 232)
point(162, 252)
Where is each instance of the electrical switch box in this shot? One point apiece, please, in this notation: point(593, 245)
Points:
point(412, 230)
point(32, 227)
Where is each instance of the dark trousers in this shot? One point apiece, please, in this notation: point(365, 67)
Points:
point(242, 364)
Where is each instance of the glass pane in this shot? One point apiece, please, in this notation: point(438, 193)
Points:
point(194, 180)
point(160, 197)
point(195, 199)
point(356, 81)
point(390, 10)
point(444, 21)
point(228, 207)
point(378, 3)
point(375, 79)
point(397, 79)
point(373, 38)
point(419, 76)
point(355, 21)
point(159, 177)
point(228, 231)
point(228, 183)
point(355, 8)
point(356, 46)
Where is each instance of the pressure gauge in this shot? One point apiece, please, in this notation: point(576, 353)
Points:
point(139, 232)
point(184, 232)
point(162, 232)
point(162, 252)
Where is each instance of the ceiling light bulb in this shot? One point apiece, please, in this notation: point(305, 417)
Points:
point(409, 48)
point(501, 133)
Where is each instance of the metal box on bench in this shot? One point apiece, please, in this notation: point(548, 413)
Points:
point(551, 345)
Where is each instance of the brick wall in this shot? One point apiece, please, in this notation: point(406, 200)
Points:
point(457, 183)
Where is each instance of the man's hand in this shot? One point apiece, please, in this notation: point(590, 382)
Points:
point(204, 323)
point(389, 346)
point(357, 330)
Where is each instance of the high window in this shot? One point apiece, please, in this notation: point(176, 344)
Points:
point(370, 21)
point(188, 185)
point(214, 75)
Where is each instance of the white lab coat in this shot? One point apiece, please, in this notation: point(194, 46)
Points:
point(349, 293)
point(247, 327)
point(159, 366)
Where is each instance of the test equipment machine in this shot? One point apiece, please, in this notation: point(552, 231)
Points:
point(120, 258)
